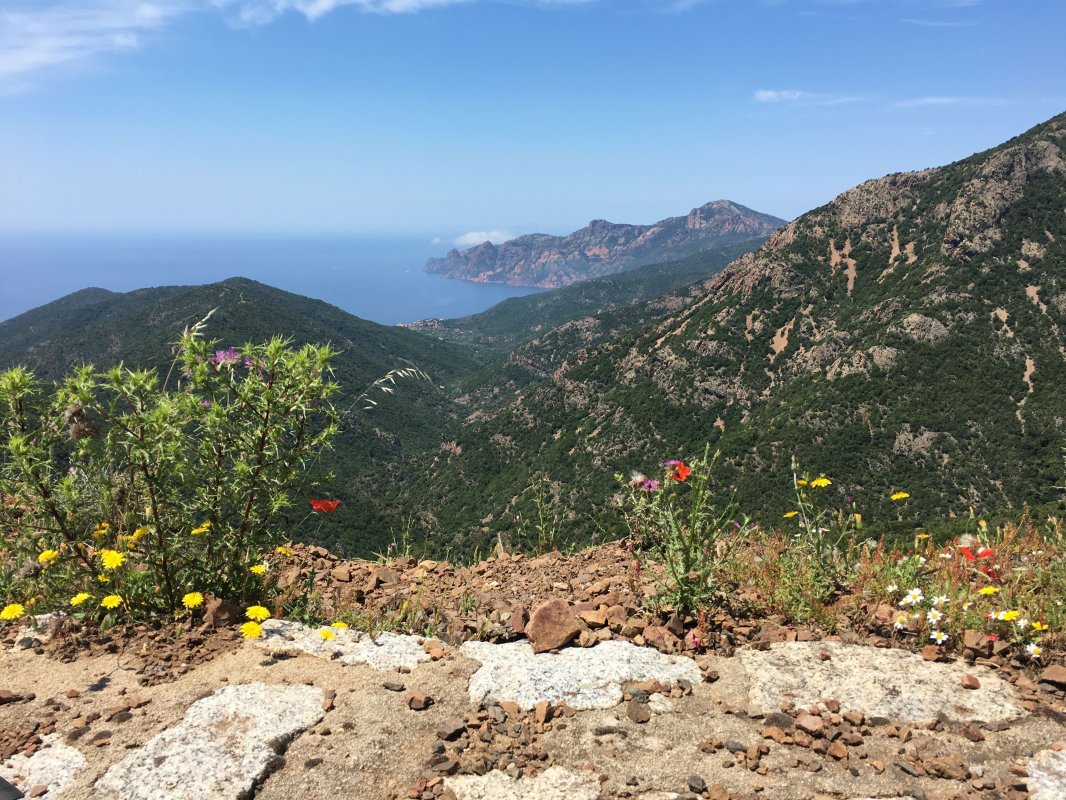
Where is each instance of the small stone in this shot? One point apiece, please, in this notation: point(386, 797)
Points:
point(775, 733)
point(519, 619)
point(1055, 674)
point(931, 652)
point(393, 686)
point(7, 696)
point(696, 784)
point(311, 763)
point(970, 682)
point(341, 573)
point(419, 701)
point(543, 712)
point(972, 733)
point(638, 711)
point(37, 790)
point(838, 751)
point(810, 724)
point(551, 626)
point(451, 729)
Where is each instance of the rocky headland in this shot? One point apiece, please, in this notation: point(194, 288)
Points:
point(603, 248)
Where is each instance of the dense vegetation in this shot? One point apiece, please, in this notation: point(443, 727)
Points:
point(906, 336)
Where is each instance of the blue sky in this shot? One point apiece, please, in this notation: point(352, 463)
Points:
point(446, 118)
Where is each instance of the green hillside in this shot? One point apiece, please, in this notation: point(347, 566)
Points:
point(907, 335)
point(139, 328)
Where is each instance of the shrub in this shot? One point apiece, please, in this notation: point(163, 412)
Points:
point(122, 497)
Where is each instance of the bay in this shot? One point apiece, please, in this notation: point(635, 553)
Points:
point(379, 279)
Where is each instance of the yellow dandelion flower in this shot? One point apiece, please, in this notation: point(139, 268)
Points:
point(102, 578)
point(801, 482)
point(1039, 626)
point(821, 482)
point(252, 630)
point(339, 623)
point(111, 601)
point(258, 569)
point(1010, 616)
point(283, 551)
point(47, 557)
point(327, 634)
point(790, 514)
point(201, 529)
point(257, 613)
point(858, 519)
point(897, 496)
point(12, 611)
point(987, 591)
point(80, 598)
point(136, 536)
point(112, 559)
point(100, 531)
point(192, 600)
point(921, 537)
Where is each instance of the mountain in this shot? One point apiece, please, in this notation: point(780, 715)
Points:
point(906, 336)
point(139, 328)
point(604, 248)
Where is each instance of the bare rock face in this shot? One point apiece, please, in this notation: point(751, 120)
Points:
point(881, 683)
point(224, 746)
point(555, 783)
point(552, 626)
point(1047, 775)
point(603, 248)
point(583, 679)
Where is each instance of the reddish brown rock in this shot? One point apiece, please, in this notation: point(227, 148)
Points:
point(594, 618)
point(1055, 674)
point(838, 751)
point(970, 682)
point(661, 639)
point(810, 724)
point(219, 613)
point(419, 701)
point(519, 619)
point(551, 626)
point(341, 573)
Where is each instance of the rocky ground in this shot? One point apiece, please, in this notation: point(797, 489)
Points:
point(536, 678)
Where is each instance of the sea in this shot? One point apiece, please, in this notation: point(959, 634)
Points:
point(379, 279)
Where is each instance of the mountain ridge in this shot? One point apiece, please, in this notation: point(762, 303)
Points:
point(604, 248)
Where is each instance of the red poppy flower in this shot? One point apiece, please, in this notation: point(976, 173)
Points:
point(984, 552)
point(325, 506)
point(678, 470)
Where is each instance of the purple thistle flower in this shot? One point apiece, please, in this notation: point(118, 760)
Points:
point(227, 357)
point(650, 485)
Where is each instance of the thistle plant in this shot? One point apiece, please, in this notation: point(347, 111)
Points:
point(124, 498)
point(678, 522)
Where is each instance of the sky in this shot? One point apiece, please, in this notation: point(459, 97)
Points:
point(462, 120)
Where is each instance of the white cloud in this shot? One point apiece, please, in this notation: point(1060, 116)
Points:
point(780, 95)
point(934, 23)
point(40, 35)
point(260, 12)
point(941, 100)
point(478, 237)
point(797, 96)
